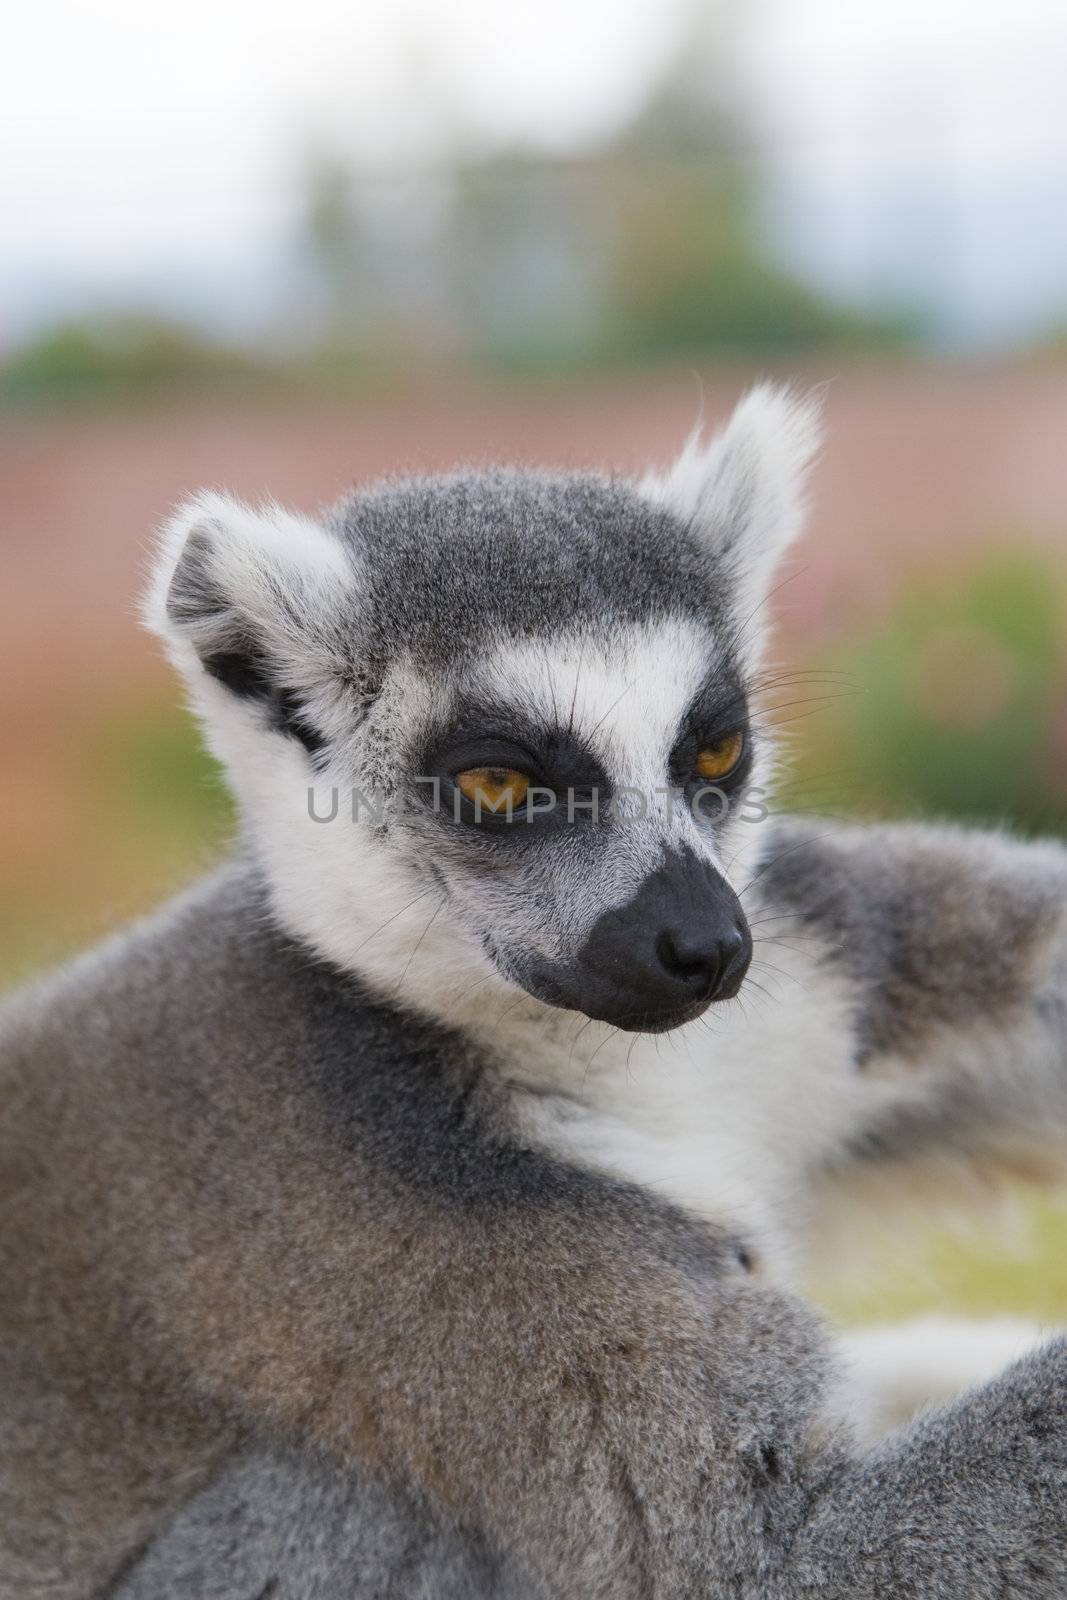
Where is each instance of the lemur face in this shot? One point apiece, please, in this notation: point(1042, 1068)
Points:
point(492, 730)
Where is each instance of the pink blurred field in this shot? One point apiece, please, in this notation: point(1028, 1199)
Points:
point(916, 461)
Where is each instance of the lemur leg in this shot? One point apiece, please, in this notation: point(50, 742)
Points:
point(945, 955)
point(295, 1527)
point(897, 1370)
point(967, 1503)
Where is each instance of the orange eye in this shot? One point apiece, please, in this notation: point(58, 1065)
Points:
point(718, 760)
point(493, 788)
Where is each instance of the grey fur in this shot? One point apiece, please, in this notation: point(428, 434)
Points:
point(292, 1528)
point(250, 1284)
point(451, 560)
point(968, 1501)
point(933, 932)
point(723, 1386)
point(955, 953)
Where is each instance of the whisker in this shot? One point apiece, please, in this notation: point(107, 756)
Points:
point(420, 896)
point(799, 844)
point(600, 1046)
point(768, 966)
point(467, 991)
point(809, 700)
point(418, 944)
point(740, 632)
point(577, 680)
point(601, 720)
point(586, 1024)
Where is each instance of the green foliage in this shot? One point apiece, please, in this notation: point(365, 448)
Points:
point(954, 704)
point(652, 247)
point(128, 357)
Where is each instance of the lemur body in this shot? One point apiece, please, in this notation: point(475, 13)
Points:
point(413, 1200)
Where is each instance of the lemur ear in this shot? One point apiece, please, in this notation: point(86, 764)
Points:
point(259, 605)
point(743, 489)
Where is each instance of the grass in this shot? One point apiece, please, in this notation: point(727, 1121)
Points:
point(1017, 1266)
point(140, 809)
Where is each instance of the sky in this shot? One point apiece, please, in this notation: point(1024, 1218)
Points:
point(153, 150)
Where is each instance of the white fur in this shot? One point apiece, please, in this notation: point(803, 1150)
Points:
point(251, 547)
point(256, 557)
point(896, 1371)
point(743, 489)
point(713, 1116)
point(625, 698)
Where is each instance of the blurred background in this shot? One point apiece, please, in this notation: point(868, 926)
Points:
point(282, 250)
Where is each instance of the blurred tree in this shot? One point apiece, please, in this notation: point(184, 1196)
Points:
point(649, 246)
point(331, 228)
point(334, 243)
point(690, 267)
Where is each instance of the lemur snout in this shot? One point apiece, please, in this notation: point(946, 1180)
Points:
point(680, 943)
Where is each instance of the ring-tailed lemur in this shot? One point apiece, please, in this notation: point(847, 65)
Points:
point(412, 1208)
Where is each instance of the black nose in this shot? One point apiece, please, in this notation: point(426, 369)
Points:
point(711, 965)
point(658, 960)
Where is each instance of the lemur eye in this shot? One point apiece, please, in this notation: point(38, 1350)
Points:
point(718, 760)
point(493, 788)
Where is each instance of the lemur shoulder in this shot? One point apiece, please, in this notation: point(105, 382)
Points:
point(415, 1206)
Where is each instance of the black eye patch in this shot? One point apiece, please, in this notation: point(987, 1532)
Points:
point(553, 759)
point(719, 705)
point(719, 708)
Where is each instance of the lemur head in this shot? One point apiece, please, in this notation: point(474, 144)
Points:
point(491, 730)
